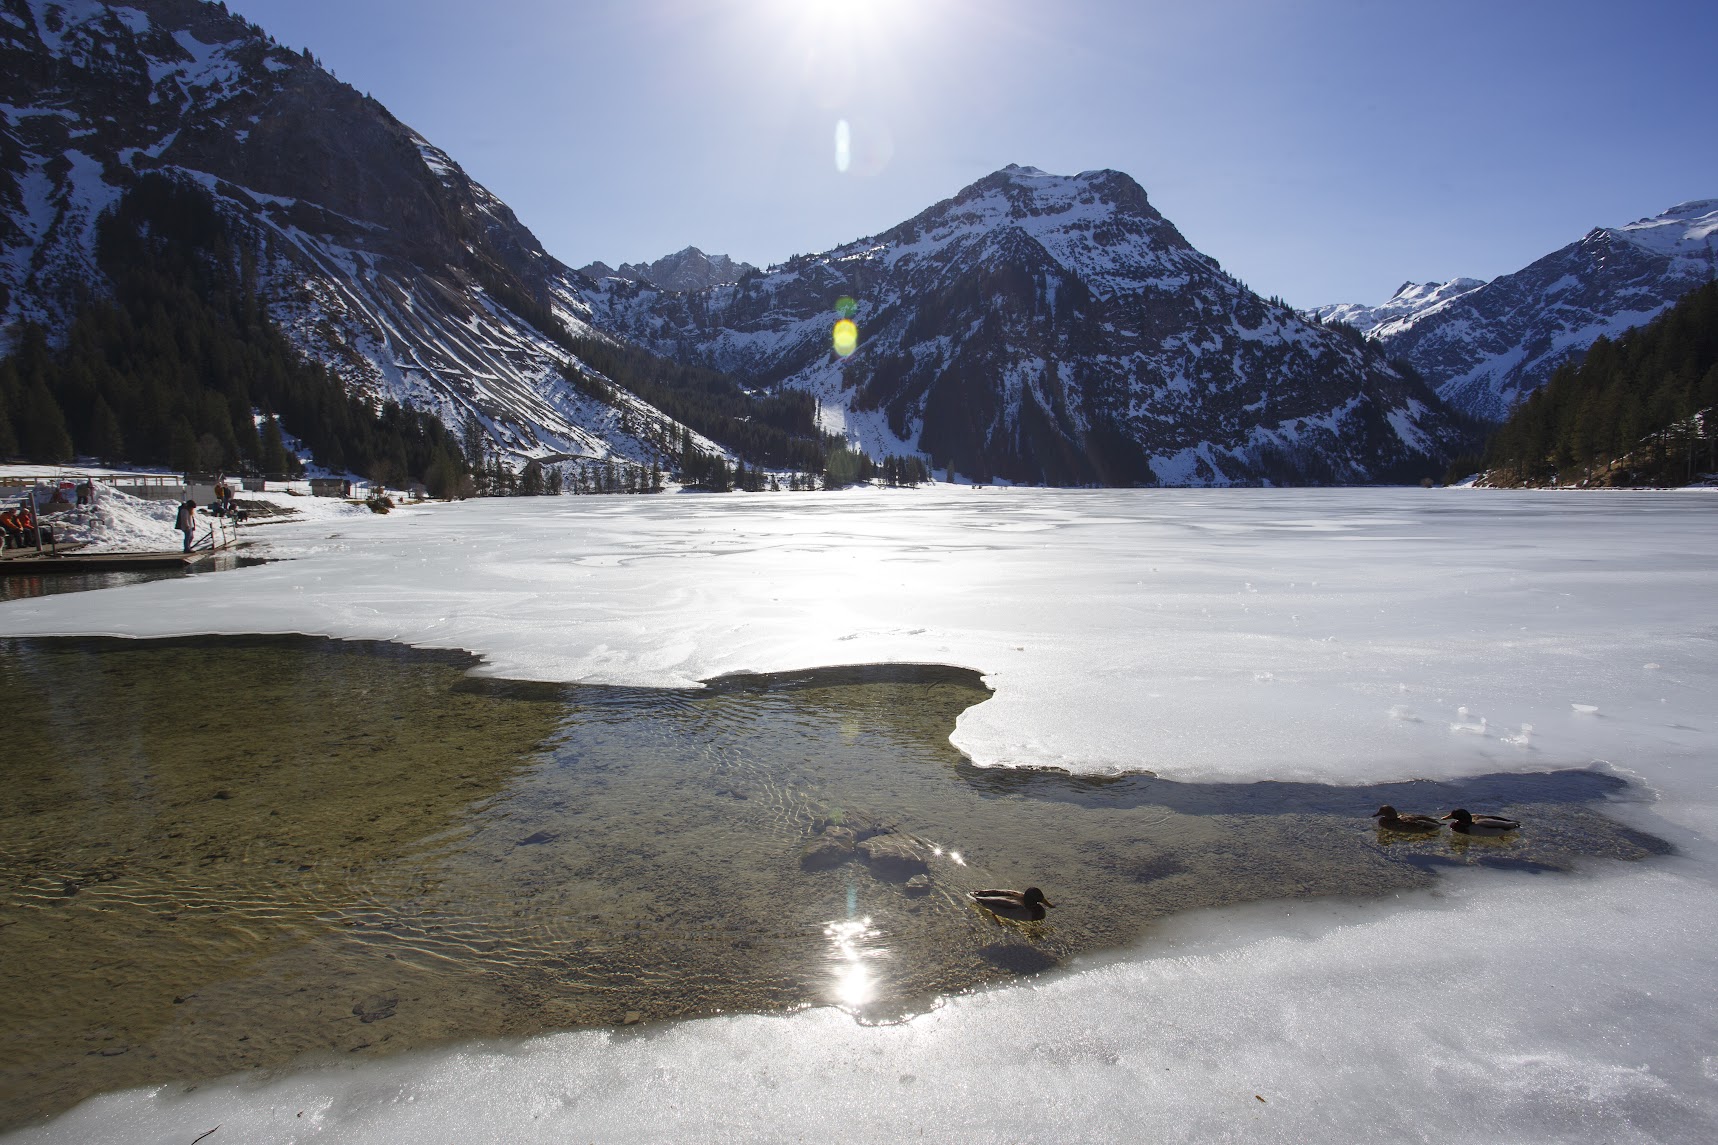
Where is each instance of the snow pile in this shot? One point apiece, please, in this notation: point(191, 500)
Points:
point(1338, 635)
point(118, 523)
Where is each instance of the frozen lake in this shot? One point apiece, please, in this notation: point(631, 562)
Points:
point(1338, 637)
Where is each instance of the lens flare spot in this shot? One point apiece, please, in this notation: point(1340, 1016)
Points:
point(846, 307)
point(843, 145)
point(846, 337)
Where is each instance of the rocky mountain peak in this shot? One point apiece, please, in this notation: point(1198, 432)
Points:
point(688, 269)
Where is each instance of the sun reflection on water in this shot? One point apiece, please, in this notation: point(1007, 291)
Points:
point(851, 950)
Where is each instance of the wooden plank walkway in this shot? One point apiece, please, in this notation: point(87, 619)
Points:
point(21, 563)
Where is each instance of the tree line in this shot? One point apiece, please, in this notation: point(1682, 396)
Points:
point(1635, 410)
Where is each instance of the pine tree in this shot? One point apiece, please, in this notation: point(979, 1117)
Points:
point(106, 441)
point(42, 427)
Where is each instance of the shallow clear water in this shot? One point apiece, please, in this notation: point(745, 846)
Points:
point(25, 586)
point(225, 853)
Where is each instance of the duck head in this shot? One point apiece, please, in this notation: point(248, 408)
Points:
point(1384, 812)
point(1460, 815)
point(1033, 895)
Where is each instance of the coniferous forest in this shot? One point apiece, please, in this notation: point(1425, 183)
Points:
point(1634, 411)
point(170, 370)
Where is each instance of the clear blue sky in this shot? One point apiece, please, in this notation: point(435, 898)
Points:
point(1324, 151)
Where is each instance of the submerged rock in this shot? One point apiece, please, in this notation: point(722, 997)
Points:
point(828, 850)
point(893, 857)
point(375, 1008)
point(919, 885)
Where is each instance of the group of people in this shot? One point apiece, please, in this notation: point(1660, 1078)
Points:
point(20, 526)
point(223, 506)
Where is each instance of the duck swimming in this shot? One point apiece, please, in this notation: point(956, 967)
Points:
point(1390, 820)
point(1027, 905)
point(1467, 823)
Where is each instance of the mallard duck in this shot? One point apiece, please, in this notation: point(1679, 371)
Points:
point(1027, 905)
point(1469, 824)
point(1390, 820)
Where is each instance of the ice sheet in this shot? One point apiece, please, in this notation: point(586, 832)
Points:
point(1349, 635)
point(1346, 635)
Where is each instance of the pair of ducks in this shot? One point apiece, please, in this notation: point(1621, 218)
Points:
point(1461, 821)
point(1028, 905)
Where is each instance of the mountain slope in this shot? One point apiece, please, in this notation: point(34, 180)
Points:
point(1488, 346)
point(1635, 411)
point(376, 252)
point(1046, 328)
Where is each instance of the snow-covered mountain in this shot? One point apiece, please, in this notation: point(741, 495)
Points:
point(1410, 301)
point(1484, 346)
point(689, 269)
point(1041, 327)
point(376, 251)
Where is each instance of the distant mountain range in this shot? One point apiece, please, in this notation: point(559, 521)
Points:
point(1485, 345)
point(1039, 327)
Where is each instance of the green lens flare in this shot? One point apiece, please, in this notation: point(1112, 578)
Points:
point(846, 307)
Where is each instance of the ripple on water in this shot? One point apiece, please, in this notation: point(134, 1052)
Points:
point(223, 853)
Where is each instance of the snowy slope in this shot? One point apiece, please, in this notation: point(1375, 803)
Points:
point(1411, 300)
point(1486, 345)
point(378, 254)
point(1040, 327)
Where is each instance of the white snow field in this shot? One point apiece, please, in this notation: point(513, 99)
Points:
point(1343, 635)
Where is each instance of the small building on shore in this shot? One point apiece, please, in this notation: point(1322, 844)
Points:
point(330, 487)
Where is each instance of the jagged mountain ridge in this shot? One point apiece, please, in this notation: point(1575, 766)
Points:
point(1486, 346)
point(1040, 327)
point(688, 269)
point(377, 253)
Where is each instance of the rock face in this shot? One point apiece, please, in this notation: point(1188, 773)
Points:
point(690, 269)
point(1484, 346)
point(375, 250)
point(1045, 328)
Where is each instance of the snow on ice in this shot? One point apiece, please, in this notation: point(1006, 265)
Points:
point(1342, 635)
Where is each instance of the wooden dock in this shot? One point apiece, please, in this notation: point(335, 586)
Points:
point(28, 563)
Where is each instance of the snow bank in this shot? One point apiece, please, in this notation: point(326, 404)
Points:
point(118, 523)
point(1344, 635)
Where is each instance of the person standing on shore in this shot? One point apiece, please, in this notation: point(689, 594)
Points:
point(186, 521)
